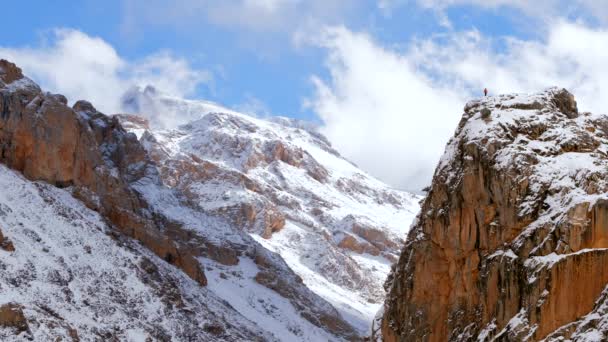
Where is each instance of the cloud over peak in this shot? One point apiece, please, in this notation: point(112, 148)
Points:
point(81, 66)
point(392, 111)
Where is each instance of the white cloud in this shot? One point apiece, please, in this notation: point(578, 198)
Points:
point(387, 6)
point(571, 56)
point(164, 71)
point(543, 10)
point(84, 67)
point(392, 111)
point(254, 106)
point(379, 111)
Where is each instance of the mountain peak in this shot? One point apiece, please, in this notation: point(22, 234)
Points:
point(282, 182)
point(9, 72)
point(164, 110)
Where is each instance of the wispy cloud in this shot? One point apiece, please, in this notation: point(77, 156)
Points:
point(570, 55)
point(381, 112)
point(86, 67)
point(284, 16)
point(392, 111)
point(538, 10)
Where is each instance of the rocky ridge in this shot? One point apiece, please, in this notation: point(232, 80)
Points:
point(281, 182)
point(511, 241)
point(72, 277)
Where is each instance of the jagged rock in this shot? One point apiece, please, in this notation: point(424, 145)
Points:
point(186, 173)
point(11, 316)
point(82, 148)
point(378, 238)
point(74, 335)
point(565, 102)
point(69, 294)
point(5, 243)
point(147, 190)
point(291, 287)
point(352, 243)
point(485, 113)
point(9, 72)
point(134, 122)
point(59, 98)
point(214, 328)
point(510, 243)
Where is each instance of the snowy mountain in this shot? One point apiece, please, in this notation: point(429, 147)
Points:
point(71, 277)
point(228, 227)
point(281, 182)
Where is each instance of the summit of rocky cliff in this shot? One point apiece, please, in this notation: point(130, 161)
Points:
point(511, 243)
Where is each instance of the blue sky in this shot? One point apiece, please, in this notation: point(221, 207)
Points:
point(275, 73)
point(385, 79)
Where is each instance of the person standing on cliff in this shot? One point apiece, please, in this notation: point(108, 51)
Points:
point(485, 91)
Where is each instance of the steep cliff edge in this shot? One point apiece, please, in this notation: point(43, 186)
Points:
point(511, 243)
point(81, 148)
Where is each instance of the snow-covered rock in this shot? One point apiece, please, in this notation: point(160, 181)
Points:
point(282, 182)
point(73, 277)
point(511, 243)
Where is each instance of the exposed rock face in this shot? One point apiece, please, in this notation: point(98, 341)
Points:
point(511, 242)
point(72, 277)
point(11, 316)
point(9, 72)
point(46, 140)
point(5, 243)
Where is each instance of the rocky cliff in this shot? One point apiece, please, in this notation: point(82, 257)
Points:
point(511, 241)
point(78, 147)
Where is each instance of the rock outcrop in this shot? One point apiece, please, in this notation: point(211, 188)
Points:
point(72, 277)
point(5, 243)
point(79, 147)
point(9, 72)
point(11, 316)
point(511, 241)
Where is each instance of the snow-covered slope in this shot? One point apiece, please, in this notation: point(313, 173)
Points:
point(74, 278)
point(165, 111)
point(279, 180)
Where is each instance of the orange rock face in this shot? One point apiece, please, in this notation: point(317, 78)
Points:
point(352, 243)
point(81, 148)
point(5, 243)
point(510, 244)
point(9, 72)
